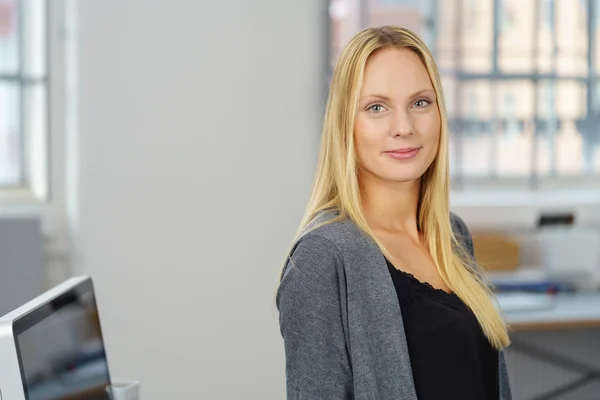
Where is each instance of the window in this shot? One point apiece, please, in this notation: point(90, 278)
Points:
point(473, 14)
point(507, 16)
point(23, 101)
point(547, 13)
point(522, 102)
point(396, 2)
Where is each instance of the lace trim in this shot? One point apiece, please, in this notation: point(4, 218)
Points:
point(416, 288)
point(423, 283)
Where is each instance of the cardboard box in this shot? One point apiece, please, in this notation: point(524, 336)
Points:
point(496, 252)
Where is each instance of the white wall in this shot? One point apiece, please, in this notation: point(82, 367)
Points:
point(198, 126)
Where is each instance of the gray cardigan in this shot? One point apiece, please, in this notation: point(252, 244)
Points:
point(340, 319)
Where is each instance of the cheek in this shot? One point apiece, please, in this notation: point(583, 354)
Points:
point(430, 129)
point(368, 138)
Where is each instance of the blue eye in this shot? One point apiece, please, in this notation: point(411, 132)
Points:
point(422, 103)
point(376, 108)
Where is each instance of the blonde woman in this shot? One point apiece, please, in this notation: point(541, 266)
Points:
point(380, 297)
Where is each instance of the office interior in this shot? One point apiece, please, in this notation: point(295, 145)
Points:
point(167, 150)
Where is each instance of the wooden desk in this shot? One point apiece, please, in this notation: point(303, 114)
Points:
point(568, 311)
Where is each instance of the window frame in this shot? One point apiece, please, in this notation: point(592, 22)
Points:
point(56, 211)
point(514, 202)
point(35, 168)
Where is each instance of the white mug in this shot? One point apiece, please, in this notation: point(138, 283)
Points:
point(125, 390)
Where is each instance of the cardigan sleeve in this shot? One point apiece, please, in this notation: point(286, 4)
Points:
point(311, 322)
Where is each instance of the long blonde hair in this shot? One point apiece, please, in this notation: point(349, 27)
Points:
point(336, 182)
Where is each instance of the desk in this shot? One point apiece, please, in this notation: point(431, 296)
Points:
point(565, 311)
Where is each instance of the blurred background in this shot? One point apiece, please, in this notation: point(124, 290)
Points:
point(167, 149)
point(520, 80)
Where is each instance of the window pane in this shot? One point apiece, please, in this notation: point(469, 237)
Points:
point(562, 130)
point(514, 128)
point(475, 157)
point(516, 36)
point(571, 37)
point(446, 44)
point(35, 139)
point(592, 129)
point(547, 127)
point(10, 138)
point(33, 48)
point(409, 3)
point(595, 37)
point(9, 55)
point(411, 14)
point(470, 32)
point(569, 145)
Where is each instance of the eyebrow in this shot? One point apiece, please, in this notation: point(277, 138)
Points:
point(386, 98)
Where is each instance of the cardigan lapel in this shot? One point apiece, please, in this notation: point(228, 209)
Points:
point(378, 347)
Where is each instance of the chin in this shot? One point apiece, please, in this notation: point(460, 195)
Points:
point(403, 179)
point(403, 176)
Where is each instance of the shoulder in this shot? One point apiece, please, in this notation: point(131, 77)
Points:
point(324, 242)
point(317, 260)
point(458, 225)
point(341, 232)
point(313, 271)
point(314, 249)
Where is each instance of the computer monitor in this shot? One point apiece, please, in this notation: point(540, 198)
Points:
point(52, 347)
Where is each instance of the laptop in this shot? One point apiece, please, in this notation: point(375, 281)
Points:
point(52, 347)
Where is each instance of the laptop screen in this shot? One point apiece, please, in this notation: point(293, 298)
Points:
point(61, 349)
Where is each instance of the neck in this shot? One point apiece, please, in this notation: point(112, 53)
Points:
point(390, 206)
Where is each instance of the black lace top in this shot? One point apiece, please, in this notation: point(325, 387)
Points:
point(450, 356)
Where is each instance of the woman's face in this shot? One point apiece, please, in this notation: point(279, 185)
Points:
point(397, 126)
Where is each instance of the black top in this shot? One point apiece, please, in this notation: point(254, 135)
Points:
point(450, 356)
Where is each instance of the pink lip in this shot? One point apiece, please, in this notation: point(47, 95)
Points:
point(403, 154)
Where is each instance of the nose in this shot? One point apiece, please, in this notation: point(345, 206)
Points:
point(402, 125)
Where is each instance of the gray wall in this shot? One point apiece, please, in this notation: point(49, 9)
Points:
point(22, 262)
point(198, 128)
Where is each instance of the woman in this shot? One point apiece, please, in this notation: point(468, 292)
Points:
point(380, 297)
